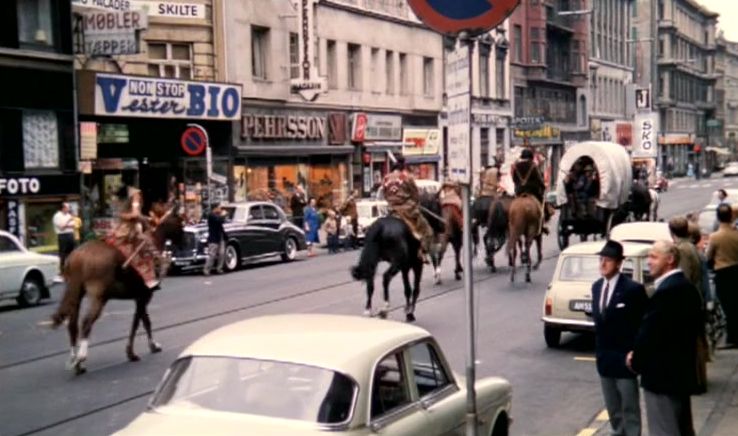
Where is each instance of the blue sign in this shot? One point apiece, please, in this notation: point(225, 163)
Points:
point(152, 97)
point(453, 16)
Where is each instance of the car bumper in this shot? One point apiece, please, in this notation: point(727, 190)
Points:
point(572, 325)
point(189, 262)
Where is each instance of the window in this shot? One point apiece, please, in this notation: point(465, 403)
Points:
point(484, 71)
point(500, 138)
point(40, 139)
point(535, 47)
point(294, 56)
point(580, 269)
point(374, 73)
point(518, 43)
point(259, 50)
point(428, 76)
point(354, 66)
point(332, 65)
point(389, 389)
point(389, 72)
point(35, 23)
point(403, 74)
point(500, 74)
point(170, 60)
point(255, 213)
point(7, 245)
point(430, 375)
point(484, 146)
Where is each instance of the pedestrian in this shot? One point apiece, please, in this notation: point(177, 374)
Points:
point(77, 221)
point(311, 224)
point(665, 351)
point(618, 305)
point(330, 227)
point(689, 261)
point(216, 240)
point(722, 257)
point(63, 222)
point(297, 204)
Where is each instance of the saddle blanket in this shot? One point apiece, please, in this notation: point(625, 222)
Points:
point(142, 262)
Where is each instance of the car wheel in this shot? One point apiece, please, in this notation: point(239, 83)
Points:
point(232, 258)
point(501, 427)
point(30, 293)
point(552, 336)
point(290, 250)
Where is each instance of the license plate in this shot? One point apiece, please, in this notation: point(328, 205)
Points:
point(581, 305)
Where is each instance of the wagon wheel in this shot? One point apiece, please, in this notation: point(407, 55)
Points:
point(562, 235)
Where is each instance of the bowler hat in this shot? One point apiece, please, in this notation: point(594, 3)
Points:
point(613, 250)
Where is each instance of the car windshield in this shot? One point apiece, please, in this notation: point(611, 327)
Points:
point(580, 269)
point(258, 387)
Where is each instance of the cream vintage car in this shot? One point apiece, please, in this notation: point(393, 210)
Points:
point(567, 305)
point(24, 275)
point(318, 374)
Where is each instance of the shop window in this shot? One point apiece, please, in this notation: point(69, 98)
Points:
point(170, 60)
point(259, 51)
point(428, 73)
point(40, 234)
point(500, 137)
point(35, 24)
point(294, 56)
point(354, 66)
point(40, 139)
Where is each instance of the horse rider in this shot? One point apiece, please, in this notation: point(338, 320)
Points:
point(489, 185)
point(529, 180)
point(450, 195)
point(130, 237)
point(403, 199)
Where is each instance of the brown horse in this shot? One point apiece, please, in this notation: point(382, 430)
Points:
point(453, 233)
point(524, 228)
point(96, 270)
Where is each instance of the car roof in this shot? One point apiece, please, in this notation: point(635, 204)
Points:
point(646, 232)
point(630, 249)
point(248, 204)
point(348, 344)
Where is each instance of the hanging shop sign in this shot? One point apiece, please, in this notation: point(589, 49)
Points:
point(337, 129)
point(187, 11)
point(146, 97)
point(308, 83)
point(373, 127)
point(646, 126)
point(87, 140)
point(39, 185)
point(487, 120)
point(545, 133)
point(265, 126)
point(110, 33)
point(676, 139)
point(421, 142)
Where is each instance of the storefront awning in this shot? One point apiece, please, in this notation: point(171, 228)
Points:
point(431, 158)
point(294, 150)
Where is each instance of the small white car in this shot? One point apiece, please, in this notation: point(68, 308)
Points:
point(567, 305)
point(369, 211)
point(318, 374)
point(24, 275)
point(644, 232)
point(731, 169)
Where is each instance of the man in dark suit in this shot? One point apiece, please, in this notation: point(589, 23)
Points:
point(665, 352)
point(618, 305)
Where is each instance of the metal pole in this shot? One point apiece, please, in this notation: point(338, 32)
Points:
point(75, 119)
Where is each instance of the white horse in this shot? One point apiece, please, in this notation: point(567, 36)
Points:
point(654, 209)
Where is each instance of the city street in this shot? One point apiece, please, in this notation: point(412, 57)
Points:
point(556, 392)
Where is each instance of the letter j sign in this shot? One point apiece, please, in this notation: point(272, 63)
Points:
point(453, 16)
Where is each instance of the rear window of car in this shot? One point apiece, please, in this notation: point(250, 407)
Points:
point(258, 387)
point(580, 269)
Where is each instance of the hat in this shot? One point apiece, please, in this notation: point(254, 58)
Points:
point(613, 250)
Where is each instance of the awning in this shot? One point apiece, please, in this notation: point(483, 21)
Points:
point(431, 158)
point(294, 150)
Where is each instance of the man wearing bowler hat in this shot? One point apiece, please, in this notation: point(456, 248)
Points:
point(618, 305)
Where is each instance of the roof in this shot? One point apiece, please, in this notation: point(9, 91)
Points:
point(630, 249)
point(647, 232)
point(341, 343)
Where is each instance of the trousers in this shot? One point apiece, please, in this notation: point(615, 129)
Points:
point(623, 405)
point(215, 249)
point(669, 415)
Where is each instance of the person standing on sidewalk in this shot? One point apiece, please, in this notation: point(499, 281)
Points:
point(216, 240)
point(618, 305)
point(64, 228)
point(665, 350)
point(297, 204)
point(312, 226)
point(722, 256)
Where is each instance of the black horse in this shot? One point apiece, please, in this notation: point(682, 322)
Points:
point(640, 202)
point(492, 214)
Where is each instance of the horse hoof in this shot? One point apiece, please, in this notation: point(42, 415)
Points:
point(133, 358)
point(79, 369)
point(155, 347)
point(410, 317)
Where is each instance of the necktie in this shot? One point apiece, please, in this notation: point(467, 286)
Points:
point(605, 291)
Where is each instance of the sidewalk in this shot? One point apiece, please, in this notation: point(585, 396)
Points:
point(716, 412)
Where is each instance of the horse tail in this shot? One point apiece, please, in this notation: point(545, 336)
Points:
point(369, 257)
point(72, 295)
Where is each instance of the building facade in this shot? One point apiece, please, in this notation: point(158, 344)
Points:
point(726, 97)
point(38, 165)
point(681, 35)
point(548, 49)
point(332, 90)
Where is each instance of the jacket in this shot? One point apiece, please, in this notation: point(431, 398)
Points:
point(690, 263)
point(216, 232)
point(615, 332)
point(665, 352)
point(528, 179)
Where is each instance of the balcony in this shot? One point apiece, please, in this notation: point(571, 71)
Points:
point(556, 22)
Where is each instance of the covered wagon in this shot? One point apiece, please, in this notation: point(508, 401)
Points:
point(592, 190)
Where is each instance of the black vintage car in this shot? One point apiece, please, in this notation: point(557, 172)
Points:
point(254, 230)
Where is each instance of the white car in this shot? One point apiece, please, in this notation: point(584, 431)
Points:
point(644, 232)
point(731, 169)
point(318, 374)
point(369, 211)
point(24, 275)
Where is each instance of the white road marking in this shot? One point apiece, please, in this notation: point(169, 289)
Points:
point(587, 432)
point(45, 323)
point(603, 416)
point(692, 186)
point(585, 359)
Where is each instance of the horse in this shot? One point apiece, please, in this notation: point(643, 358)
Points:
point(390, 239)
point(430, 207)
point(640, 202)
point(495, 220)
point(97, 270)
point(453, 232)
point(524, 223)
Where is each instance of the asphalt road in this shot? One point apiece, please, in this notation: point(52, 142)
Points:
point(556, 392)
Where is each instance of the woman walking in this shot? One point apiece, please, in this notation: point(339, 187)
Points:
point(312, 225)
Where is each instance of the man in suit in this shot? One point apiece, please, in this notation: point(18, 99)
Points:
point(665, 351)
point(618, 305)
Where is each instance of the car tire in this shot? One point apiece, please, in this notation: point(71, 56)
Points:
point(290, 249)
point(552, 336)
point(232, 258)
point(501, 427)
point(30, 293)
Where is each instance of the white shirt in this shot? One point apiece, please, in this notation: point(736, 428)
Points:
point(657, 283)
point(610, 284)
point(62, 223)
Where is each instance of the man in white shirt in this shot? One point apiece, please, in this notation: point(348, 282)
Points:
point(64, 229)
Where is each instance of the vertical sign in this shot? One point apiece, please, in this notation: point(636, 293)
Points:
point(646, 128)
point(13, 218)
point(308, 84)
point(643, 99)
point(88, 140)
point(459, 114)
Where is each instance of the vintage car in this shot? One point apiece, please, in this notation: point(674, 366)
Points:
point(567, 305)
point(368, 211)
point(731, 169)
point(24, 275)
point(254, 230)
point(643, 232)
point(318, 374)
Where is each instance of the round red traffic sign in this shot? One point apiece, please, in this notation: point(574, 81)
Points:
point(453, 16)
point(194, 141)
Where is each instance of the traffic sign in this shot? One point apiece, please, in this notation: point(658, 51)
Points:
point(453, 16)
point(194, 140)
point(459, 114)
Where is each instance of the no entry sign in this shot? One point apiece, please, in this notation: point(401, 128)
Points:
point(453, 16)
point(194, 140)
